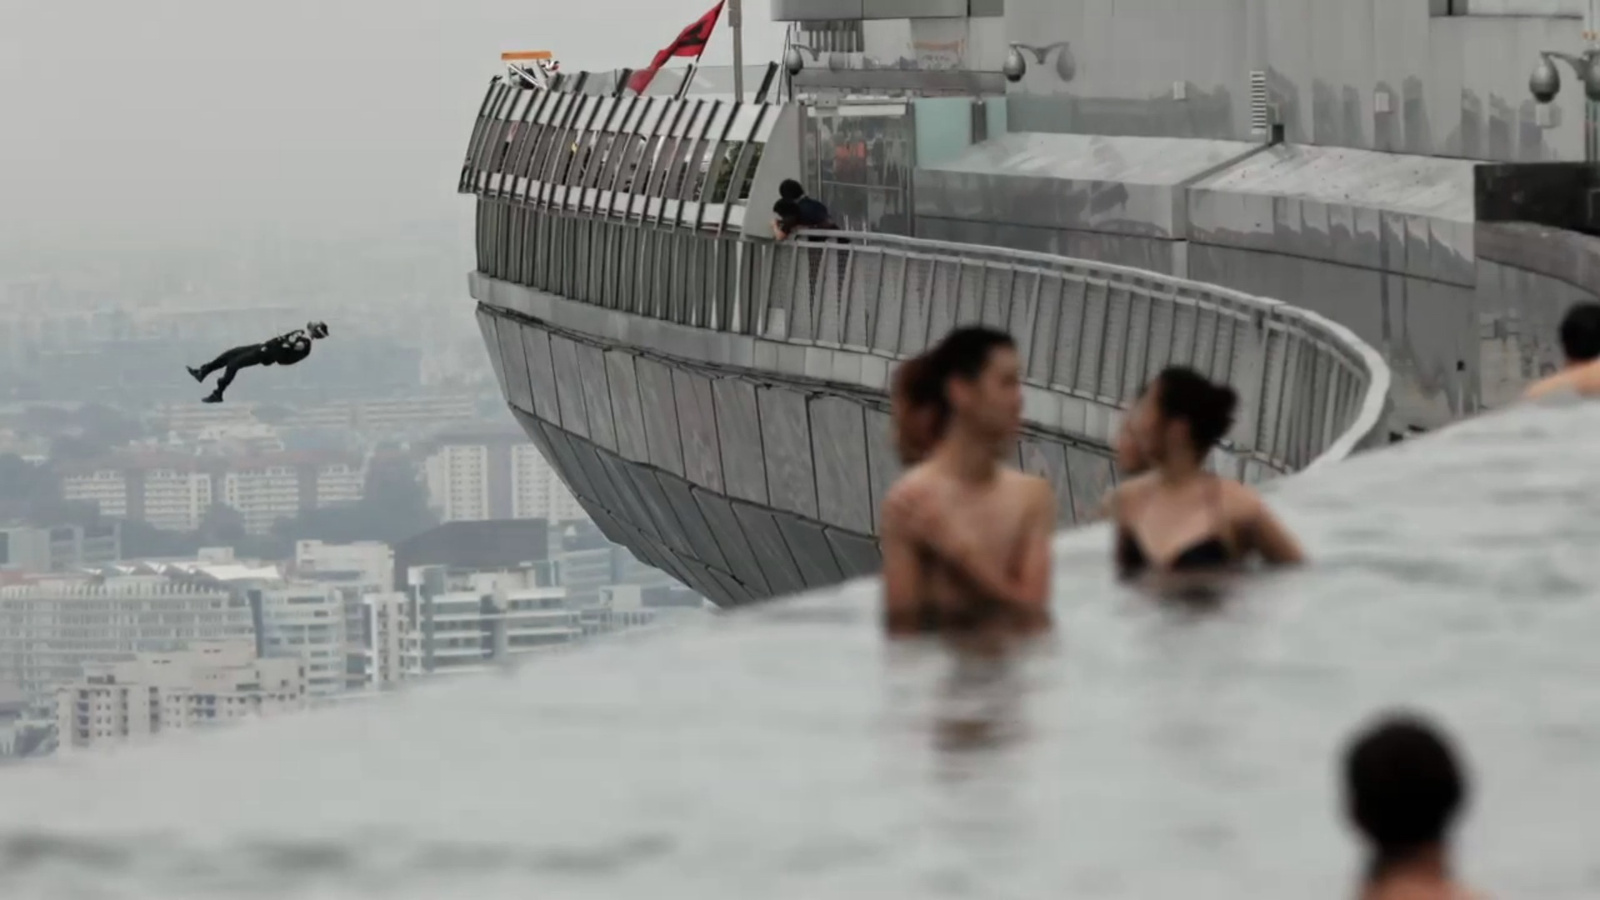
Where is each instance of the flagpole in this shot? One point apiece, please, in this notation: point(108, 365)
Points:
point(736, 22)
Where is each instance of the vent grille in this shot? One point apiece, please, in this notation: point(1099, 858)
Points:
point(1260, 114)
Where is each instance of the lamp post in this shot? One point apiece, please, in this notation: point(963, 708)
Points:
point(736, 23)
point(1545, 83)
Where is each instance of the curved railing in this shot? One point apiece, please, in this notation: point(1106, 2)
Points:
point(1311, 391)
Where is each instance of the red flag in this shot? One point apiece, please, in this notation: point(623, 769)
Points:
point(690, 42)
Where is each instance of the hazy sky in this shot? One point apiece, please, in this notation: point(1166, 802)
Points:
point(129, 123)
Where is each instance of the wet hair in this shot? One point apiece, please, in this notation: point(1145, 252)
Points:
point(1580, 332)
point(1403, 788)
point(1185, 395)
point(918, 395)
point(791, 189)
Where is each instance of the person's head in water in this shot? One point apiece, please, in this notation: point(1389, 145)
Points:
point(1178, 419)
point(1403, 790)
point(1580, 333)
point(972, 379)
point(317, 329)
point(791, 189)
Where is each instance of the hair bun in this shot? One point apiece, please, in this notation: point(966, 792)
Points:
point(1225, 398)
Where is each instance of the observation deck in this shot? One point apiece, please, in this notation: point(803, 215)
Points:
point(717, 400)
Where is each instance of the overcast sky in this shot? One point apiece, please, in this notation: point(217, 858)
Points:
point(148, 121)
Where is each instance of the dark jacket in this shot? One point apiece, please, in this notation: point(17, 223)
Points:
point(287, 349)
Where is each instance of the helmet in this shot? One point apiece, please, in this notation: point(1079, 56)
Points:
point(317, 329)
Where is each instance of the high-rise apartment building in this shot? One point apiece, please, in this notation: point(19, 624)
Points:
point(174, 491)
point(379, 635)
point(472, 622)
point(537, 492)
point(64, 548)
point(52, 628)
point(306, 622)
point(474, 478)
point(211, 682)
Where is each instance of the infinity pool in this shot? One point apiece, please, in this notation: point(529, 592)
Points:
point(787, 752)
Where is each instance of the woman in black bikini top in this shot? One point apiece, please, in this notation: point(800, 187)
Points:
point(1207, 553)
point(1177, 517)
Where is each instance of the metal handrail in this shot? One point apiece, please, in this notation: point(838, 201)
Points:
point(1365, 426)
point(1311, 391)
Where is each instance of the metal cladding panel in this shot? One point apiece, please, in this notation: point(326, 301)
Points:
point(1090, 477)
point(569, 385)
point(491, 345)
point(660, 411)
point(737, 592)
point(617, 496)
point(597, 396)
point(514, 358)
point(812, 552)
point(858, 556)
point(697, 421)
point(770, 549)
point(572, 471)
point(786, 447)
point(730, 536)
point(1048, 460)
point(744, 471)
point(839, 448)
point(648, 491)
point(541, 373)
point(883, 461)
point(701, 536)
point(627, 408)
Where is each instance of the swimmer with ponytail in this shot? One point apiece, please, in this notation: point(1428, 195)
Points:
point(966, 540)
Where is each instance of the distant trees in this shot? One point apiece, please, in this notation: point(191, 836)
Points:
point(27, 490)
point(82, 434)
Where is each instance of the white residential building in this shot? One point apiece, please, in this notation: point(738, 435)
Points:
point(208, 683)
point(340, 482)
point(472, 480)
point(176, 499)
point(104, 486)
point(379, 645)
point(537, 491)
point(52, 628)
point(474, 622)
point(306, 621)
point(458, 482)
point(263, 493)
point(368, 565)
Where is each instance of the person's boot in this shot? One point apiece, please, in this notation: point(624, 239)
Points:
point(213, 397)
point(198, 375)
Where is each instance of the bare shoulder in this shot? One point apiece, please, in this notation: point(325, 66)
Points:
point(1241, 500)
point(1548, 385)
point(1030, 491)
point(911, 480)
